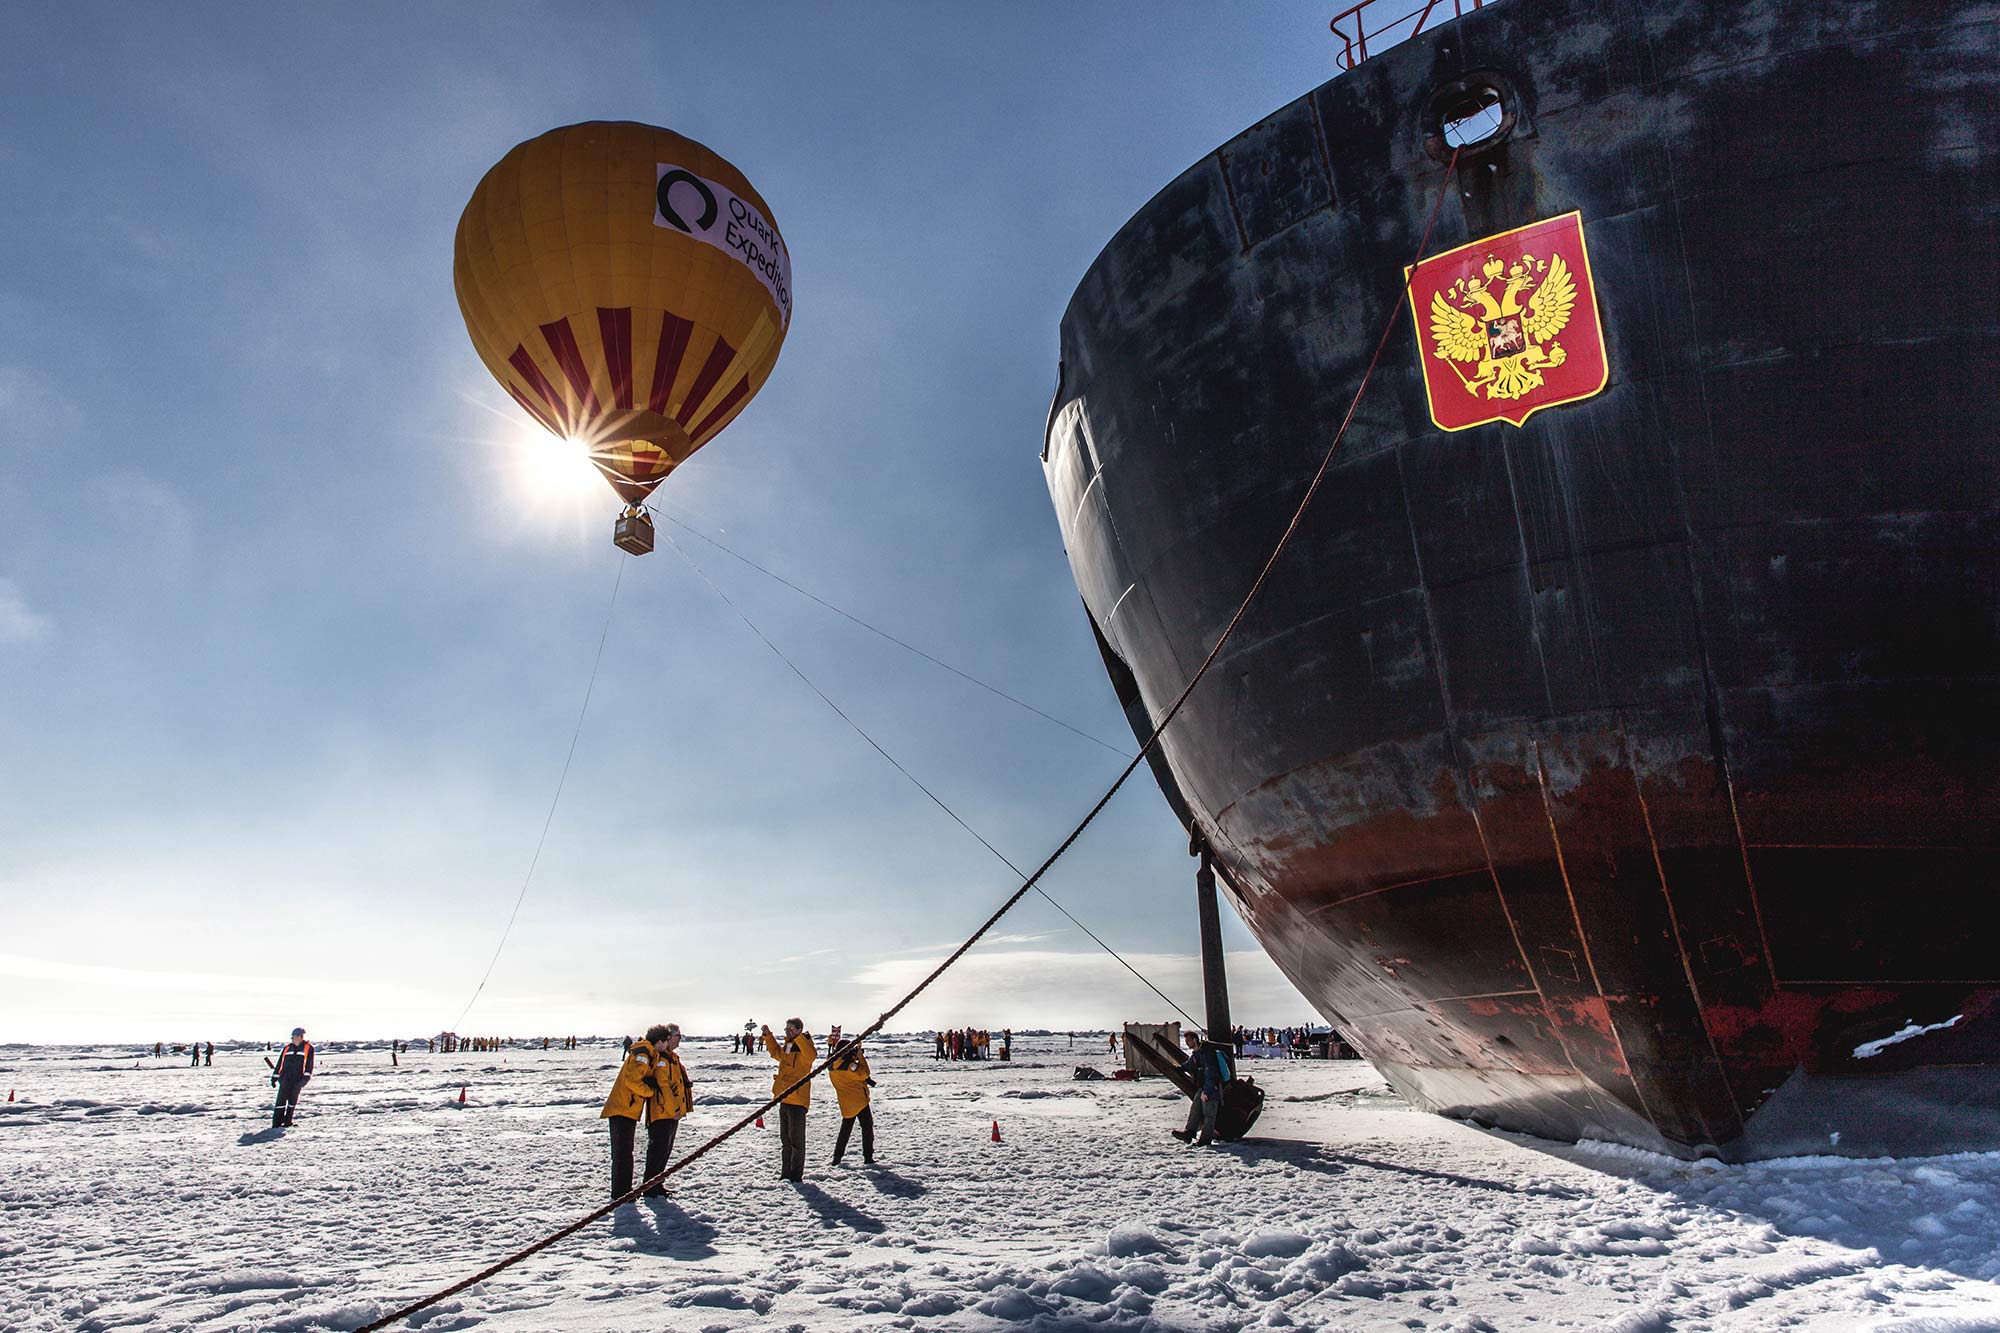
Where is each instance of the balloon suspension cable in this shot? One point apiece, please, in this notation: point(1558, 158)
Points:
point(897, 764)
point(750, 1117)
point(904, 644)
point(554, 801)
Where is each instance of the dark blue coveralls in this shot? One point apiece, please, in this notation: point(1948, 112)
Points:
point(1209, 1064)
point(293, 1071)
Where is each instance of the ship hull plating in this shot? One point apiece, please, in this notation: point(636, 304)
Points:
point(1628, 774)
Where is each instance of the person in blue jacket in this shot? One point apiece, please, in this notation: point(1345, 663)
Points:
point(291, 1073)
point(1208, 1064)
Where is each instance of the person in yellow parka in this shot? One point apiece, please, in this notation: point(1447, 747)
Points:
point(653, 1081)
point(849, 1073)
point(795, 1060)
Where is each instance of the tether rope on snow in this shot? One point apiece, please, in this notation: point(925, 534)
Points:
point(1291, 528)
point(936, 800)
point(550, 819)
point(809, 595)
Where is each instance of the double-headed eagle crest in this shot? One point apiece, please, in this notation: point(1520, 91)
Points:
point(1504, 321)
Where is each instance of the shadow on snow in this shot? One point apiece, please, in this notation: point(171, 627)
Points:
point(663, 1227)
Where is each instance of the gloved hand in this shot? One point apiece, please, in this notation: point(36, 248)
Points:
point(869, 1081)
point(651, 1082)
point(274, 1080)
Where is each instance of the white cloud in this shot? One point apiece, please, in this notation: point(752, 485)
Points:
point(60, 1001)
point(1047, 988)
point(19, 622)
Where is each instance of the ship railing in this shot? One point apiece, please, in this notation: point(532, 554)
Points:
point(1373, 26)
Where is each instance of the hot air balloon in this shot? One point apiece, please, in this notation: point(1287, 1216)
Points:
point(629, 289)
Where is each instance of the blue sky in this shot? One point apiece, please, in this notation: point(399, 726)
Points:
point(294, 631)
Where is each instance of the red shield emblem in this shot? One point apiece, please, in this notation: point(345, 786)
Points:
point(1509, 325)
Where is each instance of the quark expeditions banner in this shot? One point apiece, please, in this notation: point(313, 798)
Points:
point(1508, 325)
point(713, 214)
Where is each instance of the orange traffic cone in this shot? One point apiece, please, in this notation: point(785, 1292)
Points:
point(461, 1094)
point(996, 1131)
point(760, 1122)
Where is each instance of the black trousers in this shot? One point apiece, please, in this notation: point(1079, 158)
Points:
point(866, 1117)
point(287, 1103)
point(659, 1144)
point(792, 1141)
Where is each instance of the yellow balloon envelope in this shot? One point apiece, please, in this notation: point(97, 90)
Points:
point(628, 287)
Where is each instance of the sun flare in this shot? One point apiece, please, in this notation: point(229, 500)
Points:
point(553, 467)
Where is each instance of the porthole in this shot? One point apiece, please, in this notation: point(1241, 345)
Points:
point(1469, 121)
point(1470, 116)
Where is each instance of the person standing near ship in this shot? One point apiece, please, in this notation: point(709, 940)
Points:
point(851, 1081)
point(1208, 1065)
point(291, 1073)
point(795, 1060)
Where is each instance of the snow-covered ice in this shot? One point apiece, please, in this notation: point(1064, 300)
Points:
point(142, 1194)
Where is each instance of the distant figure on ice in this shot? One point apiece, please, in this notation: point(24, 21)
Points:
point(208, 1056)
point(628, 1046)
point(194, 1056)
point(1208, 1065)
point(1111, 1040)
point(157, 1051)
point(795, 1060)
point(652, 1080)
point(849, 1073)
point(289, 1076)
point(940, 1047)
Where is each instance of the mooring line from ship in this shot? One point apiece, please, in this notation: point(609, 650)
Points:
point(605, 1210)
point(916, 782)
point(555, 800)
point(811, 596)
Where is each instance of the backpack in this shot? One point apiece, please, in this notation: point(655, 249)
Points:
point(1242, 1103)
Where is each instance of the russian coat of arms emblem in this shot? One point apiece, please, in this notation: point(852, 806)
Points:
point(1508, 325)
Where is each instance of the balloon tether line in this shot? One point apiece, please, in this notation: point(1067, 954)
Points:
point(936, 800)
point(555, 800)
point(605, 1210)
point(904, 644)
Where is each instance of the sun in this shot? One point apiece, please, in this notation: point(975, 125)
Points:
point(548, 467)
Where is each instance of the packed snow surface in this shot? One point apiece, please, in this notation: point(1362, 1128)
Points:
point(142, 1194)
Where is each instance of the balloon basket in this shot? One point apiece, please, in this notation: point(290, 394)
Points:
point(634, 532)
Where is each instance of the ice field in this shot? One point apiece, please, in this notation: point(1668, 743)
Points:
point(142, 1194)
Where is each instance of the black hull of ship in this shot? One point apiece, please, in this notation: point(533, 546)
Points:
point(1625, 774)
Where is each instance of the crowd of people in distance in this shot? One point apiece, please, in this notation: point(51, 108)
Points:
point(1296, 1042)
point(973, 1044)
point(450, 1043)
point(653, 1085)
